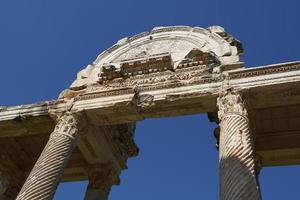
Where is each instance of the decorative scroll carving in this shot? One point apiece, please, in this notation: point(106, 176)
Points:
point(230, 102)
point(70, 125)
point(103, 177)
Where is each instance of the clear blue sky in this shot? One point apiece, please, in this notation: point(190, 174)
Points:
point(43, 44)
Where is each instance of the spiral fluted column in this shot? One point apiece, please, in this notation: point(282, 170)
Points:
point(45, 176)
point(238, 176)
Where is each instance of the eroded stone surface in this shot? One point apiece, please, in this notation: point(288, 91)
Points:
point(168, 71)
point(175, 41)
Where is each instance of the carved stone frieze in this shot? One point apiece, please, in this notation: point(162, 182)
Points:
point(200, 74)
point(135, 72)
point(273, 69)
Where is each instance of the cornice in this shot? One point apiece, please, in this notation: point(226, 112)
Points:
point(265, 70)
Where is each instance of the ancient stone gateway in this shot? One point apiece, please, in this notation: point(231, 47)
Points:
point(88, 132)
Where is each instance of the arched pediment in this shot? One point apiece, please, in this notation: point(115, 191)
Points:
point(166, 45)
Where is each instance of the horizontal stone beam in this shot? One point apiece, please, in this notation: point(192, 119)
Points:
point(129, 105)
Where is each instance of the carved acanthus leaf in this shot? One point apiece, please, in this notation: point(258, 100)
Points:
point(71, 124)
point(125, 139)
point(103, 176)
point(230, 102)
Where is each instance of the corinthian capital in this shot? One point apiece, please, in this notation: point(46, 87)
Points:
point(103, 177)
point(230, 102)
point(70, 124)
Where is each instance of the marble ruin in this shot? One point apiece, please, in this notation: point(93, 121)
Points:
point(88, 132)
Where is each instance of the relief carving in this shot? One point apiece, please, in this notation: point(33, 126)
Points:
point(142, 101)
point(152, 77)
point(264, 71)
point(125, 139)
point(71, 125)
point(163, 49)
point(230, 102)
point(103, 177)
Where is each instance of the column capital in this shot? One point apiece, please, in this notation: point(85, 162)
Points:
point(70, 124)
point(231, 102)
point(103, 176)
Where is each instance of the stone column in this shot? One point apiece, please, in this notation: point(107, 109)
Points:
point(101, 178)
point(45, 176)
point(238, 176)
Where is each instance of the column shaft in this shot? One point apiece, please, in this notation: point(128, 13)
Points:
point(238, 178)
point(45, 176)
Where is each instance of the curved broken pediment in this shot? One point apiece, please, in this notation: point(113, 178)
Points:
point(162, 49)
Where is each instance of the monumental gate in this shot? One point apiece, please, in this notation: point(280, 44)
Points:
point(88, 132)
